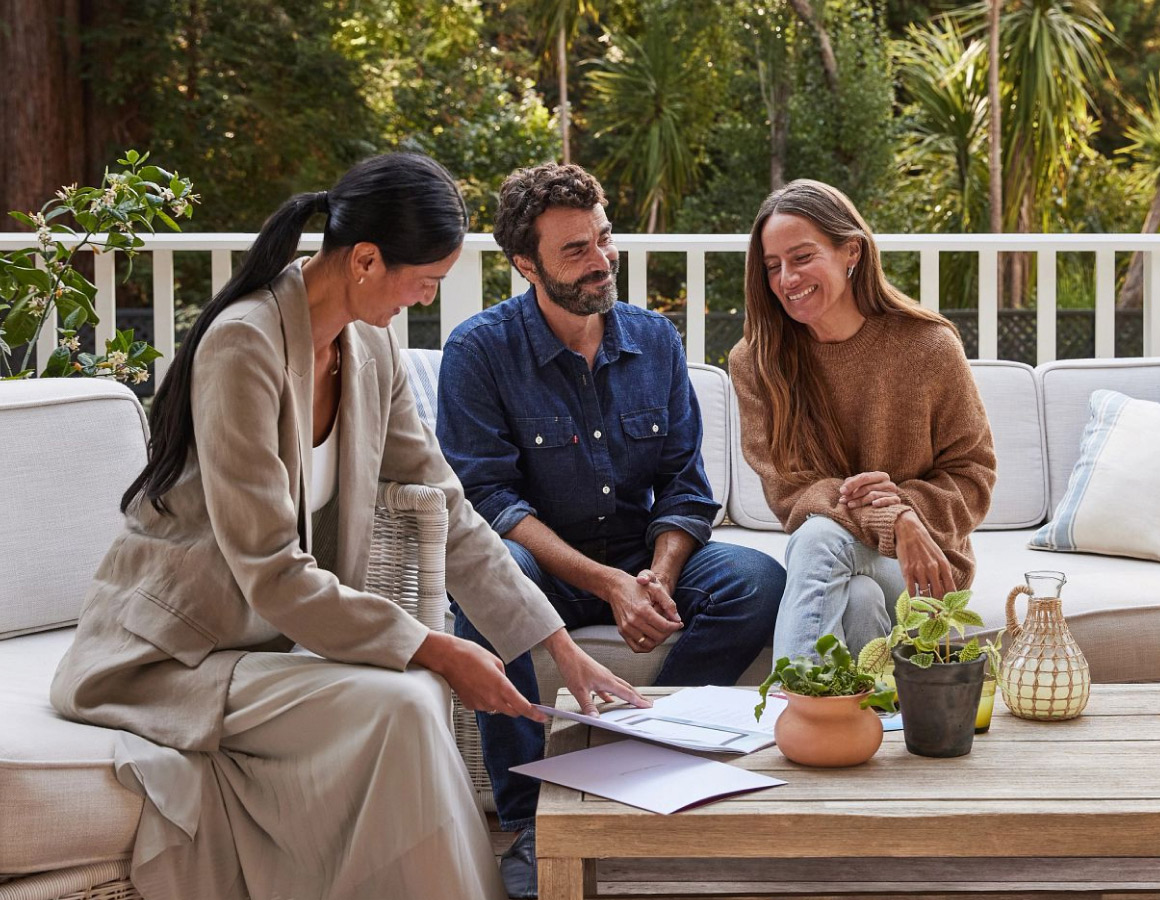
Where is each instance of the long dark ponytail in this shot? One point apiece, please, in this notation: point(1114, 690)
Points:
point(405, 204)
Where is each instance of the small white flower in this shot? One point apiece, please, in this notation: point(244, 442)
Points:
point(73, 343)
point(179, 207)
point(117, 359)
point(38, 304)
point(38, 220)
point(66, 192)
point(140, 376)
point(167, 195)
point(44, 237)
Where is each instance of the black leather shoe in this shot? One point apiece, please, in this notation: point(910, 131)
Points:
point(518, 865)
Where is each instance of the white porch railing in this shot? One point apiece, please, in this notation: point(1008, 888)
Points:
point(462, 291)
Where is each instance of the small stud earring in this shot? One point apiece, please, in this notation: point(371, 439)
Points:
point(850, 272)
point(361, 280)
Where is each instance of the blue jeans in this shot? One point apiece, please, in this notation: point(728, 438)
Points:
point(727, 597)
point(835, 584)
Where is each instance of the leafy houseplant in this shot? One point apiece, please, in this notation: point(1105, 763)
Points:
point(939, 682)
point(827, 720)
point(128, 200)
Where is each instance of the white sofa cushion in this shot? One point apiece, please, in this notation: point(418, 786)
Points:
point(62, 804)
point(1110, 505)
point(1008, 390)
point(1065, 388)
point(710, 384)
point(1112, 606)
point(70, 447)
point(1010, 396)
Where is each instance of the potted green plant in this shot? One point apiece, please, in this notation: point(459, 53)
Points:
point(939, 682)
point(827, 720)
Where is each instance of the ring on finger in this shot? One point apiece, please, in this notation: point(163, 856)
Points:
point(641, 639)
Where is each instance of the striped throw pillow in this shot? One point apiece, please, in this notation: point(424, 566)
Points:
point(1111, 502)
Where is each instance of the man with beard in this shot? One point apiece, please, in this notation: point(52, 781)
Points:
point(571, 422)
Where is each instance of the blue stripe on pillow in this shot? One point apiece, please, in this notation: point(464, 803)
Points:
point(423, 375)
point(1059, 534)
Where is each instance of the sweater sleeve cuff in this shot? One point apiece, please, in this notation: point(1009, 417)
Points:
point(880, 520)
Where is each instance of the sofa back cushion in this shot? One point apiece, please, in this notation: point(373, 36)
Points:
point(1010, 396)
point(1008, 391)
point(1066, 387)
point(709, 383)
point(70, 447)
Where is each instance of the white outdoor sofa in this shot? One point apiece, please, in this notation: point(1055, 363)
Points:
point(69, 448)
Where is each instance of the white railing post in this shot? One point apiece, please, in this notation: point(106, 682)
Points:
point(695, 306)
point(1105, 303)
point(1045, 308)
point(220, 269)
point(163, 312)
point(105, 278)
point(988, 304)
point(638, 277)
point(46, 341)
point(928, 284)
point(1151, 303)
point(519, 283)
point(461, 294)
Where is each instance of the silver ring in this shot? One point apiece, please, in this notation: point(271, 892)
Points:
point(641, 639)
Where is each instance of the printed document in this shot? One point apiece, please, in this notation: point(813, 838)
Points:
point(646, 776)
point(717, 719)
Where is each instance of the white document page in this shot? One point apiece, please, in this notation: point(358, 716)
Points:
point(709, 718)
point(647, 776)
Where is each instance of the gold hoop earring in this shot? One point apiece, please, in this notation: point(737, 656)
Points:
point(361, 280)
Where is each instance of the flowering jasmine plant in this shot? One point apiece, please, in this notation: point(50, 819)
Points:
point(35, 281)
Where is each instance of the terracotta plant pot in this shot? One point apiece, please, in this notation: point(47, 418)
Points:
point(827, 731)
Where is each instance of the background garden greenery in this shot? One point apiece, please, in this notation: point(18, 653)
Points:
point(689, 110)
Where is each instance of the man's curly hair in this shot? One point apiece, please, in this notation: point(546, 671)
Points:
point(527, 193)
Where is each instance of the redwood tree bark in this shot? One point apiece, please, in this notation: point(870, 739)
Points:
point(42, 141)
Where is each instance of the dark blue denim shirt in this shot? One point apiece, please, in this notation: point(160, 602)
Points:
point(610, 455)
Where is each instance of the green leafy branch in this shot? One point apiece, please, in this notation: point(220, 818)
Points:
point(35, 281)
point(837, 674)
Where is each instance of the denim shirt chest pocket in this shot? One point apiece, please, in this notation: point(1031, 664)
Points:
point(645, 431)
point(549, 455)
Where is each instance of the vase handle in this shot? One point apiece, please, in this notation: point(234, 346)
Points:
point(1013, 626)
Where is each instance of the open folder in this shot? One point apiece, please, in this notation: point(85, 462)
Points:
point(716, 719)
point(646, 776)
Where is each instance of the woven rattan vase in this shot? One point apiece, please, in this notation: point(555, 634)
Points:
point(1044, 674)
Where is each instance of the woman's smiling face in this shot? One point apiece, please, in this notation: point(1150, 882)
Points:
point(807, 274)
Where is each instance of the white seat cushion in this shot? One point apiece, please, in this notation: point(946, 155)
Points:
point(62, 805)
point(1111, 605)
point(711, 385)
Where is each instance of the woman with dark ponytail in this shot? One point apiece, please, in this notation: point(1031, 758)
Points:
point(288, 730)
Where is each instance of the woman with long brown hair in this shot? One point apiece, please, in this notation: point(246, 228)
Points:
point(860, 415)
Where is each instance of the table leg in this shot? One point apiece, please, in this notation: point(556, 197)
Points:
point(561, 879)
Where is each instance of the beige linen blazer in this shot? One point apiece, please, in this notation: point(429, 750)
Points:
point(180, 598)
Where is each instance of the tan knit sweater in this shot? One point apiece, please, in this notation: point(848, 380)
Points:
point(908, 406)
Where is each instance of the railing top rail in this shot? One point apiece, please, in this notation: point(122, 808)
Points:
point(681, 243)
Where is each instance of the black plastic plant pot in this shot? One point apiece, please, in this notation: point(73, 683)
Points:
point(938, 704)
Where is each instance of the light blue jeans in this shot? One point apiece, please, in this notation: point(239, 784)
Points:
point(837, 585)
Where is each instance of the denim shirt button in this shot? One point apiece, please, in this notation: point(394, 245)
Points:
point(540, 439)
point(600, 518)
point(656, 427)
point(607, 489)
point(596, 434)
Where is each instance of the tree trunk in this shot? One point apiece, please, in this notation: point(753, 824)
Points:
point(806, 13)
point(562, 70)
point(996, 158)
point(775, 93)
point(654, 209)
point(42, 142)
point(1132, 293)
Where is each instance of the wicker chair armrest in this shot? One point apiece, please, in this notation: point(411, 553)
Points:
point(408, 560)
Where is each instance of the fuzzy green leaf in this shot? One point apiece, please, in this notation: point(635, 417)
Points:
point(933, 630)
point(923, 660)
point(971, 651)
point(967, 617)
point(902, 608)
point(874, 656)
point(956, 600)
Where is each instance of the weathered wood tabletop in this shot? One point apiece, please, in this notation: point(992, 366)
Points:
point(1074, 805)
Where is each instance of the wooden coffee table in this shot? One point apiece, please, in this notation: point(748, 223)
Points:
point(1070, 807)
